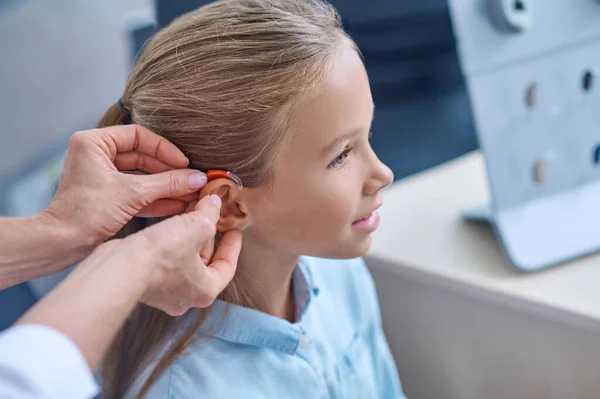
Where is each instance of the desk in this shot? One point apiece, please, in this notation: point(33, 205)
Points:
point(461, 322)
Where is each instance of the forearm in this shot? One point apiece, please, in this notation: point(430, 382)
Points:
point(92, 303)
point(36, 246)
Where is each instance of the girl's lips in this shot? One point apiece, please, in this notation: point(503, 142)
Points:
point(370, 223)
point(370, 213)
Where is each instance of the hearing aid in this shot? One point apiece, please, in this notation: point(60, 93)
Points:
point(214, 174)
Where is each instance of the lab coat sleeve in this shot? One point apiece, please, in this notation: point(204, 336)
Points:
point(40, 362)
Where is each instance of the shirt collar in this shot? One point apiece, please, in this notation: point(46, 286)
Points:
point(246, 326)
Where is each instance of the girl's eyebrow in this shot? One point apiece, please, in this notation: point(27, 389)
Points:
point(331, 147)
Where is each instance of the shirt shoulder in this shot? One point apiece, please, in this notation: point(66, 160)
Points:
point(333, 360)
point(220, 369)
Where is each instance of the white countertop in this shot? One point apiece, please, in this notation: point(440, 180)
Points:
point(422, 234)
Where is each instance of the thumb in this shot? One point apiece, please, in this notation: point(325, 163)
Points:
point(171, 184)
point(201, 223)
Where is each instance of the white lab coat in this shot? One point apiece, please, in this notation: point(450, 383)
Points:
point(42, 363)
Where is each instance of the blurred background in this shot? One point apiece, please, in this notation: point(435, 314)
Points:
point(64, 62)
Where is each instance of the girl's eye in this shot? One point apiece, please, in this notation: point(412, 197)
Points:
point(341, 159)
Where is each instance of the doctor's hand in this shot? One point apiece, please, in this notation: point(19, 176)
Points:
point(95, 199)
point(170, 265)
point(185, 272)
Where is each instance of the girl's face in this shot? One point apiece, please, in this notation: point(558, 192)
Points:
point(327, 180)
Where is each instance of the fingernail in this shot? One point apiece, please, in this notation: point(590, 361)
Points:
point(216, 199)
point(197, 180)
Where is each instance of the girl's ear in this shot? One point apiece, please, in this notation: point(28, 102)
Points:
point(234, 211)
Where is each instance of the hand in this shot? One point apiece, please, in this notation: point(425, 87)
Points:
point(95, 199)
point(169, 265)
point(185, 271)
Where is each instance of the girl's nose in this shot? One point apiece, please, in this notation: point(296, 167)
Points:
point(381, 177)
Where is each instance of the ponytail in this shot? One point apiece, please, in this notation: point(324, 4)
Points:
point(224, 101)
point(147, 329)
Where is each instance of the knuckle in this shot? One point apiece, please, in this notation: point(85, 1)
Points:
point(206, 225)
point(214, 292)
point(206, 298)
point(173, 312)
point(141, 162)
point(175, 184)
point(137, 187)
point(134, 192)
point(77, 139)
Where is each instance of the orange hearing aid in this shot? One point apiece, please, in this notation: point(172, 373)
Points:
point(214, 174)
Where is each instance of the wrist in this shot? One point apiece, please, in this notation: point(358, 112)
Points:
point(66, 232)
point(136, 253)
point(64, 244)
point(125, 262)
point(36, 246)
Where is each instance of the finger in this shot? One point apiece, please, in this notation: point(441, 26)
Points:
point(161, 208)
point(208, 207)
point(171, 184)
point(188, 198)
point(134, 172)
point(124, 138)
point(201, 223)
point(135, 160)
point(209, 199)
point(225, 259)
point(191, 207)
point(207, 251)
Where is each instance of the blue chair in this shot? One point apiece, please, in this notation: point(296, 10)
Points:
point(14, 302)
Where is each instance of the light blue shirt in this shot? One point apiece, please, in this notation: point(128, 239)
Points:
point(336, 349)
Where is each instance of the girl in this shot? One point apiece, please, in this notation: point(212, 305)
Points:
point(275, 92)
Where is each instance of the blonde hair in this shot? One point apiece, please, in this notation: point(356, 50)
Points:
point(220, 83)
